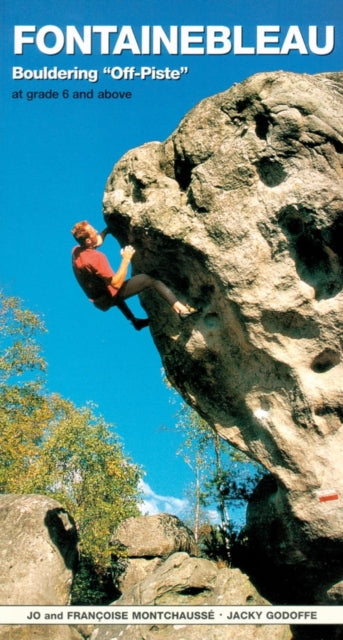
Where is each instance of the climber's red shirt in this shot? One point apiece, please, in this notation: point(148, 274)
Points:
point(91, 269)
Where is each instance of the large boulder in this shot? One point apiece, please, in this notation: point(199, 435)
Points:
point(183, 581)
point(147, 540)
point(38, 550)
point(240, 211)
point(155, 536)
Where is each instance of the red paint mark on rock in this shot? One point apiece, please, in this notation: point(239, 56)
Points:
point(328, 494)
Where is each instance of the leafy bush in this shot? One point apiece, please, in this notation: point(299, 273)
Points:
point(51, 447)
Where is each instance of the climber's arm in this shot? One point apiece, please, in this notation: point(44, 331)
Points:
point(118, 279)
point(101, 236)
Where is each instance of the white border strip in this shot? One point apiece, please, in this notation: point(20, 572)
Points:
point(185, 615)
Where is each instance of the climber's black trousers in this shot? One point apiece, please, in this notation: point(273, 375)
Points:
point(136, 285)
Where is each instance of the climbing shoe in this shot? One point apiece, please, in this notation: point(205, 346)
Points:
point(139, 323)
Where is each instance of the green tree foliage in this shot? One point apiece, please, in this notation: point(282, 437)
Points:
point(224, 480)
point(19, 352)
point(195, 449)
point(49, 446)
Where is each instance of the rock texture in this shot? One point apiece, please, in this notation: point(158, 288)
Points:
point(38, 551)
point(147, 540)
point(240, 211)
point(195, 632)
point(159, 535)
point(40, 632)
point(181, 580)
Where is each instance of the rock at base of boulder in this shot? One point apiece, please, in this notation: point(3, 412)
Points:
point(155, 536)
point(38, 549)
point(183, 581)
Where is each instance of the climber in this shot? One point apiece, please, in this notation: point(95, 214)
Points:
point(107, 289)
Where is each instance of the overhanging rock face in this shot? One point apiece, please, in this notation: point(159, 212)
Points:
point(240, 211)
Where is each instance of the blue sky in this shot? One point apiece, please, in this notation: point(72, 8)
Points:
point(57, 155)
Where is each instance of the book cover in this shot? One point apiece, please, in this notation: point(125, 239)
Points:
point(207, 135)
